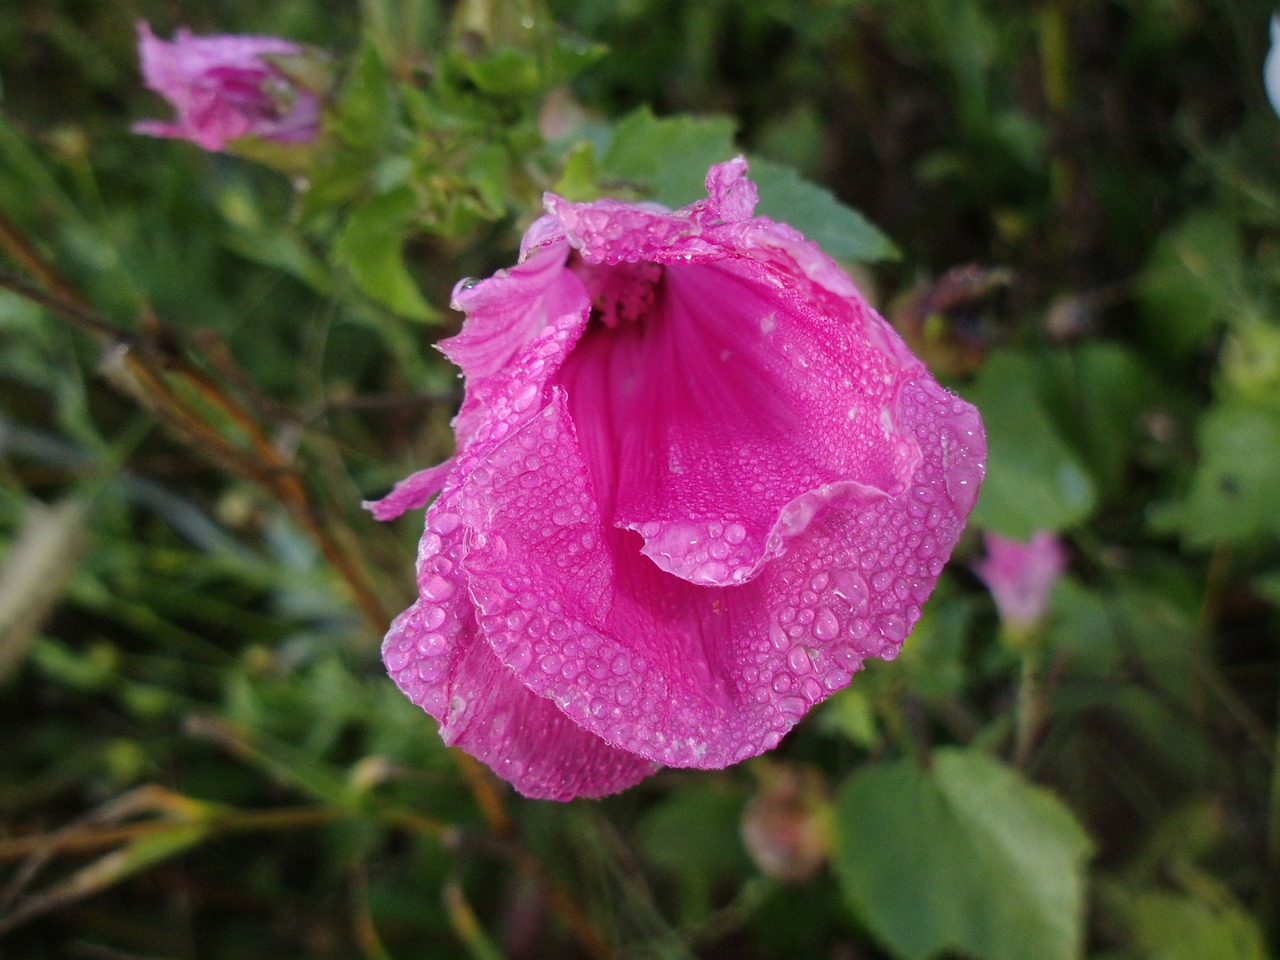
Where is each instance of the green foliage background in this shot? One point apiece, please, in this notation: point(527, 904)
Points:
point(1076, 213)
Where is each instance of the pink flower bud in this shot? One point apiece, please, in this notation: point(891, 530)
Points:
point(1021, 576)
point(786, 826)
point(225, 87)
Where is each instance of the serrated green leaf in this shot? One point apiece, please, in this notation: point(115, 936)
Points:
point(667, 158)
point(1034, 481)
point(1236, 485)
point(840, 231)
point(371, 246)
point(966, 856)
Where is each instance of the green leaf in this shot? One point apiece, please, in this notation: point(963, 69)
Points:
point(1236, 485)
point(668, 158)
point(851, 714)
point(365, 109)
point(578, 179)
point(840, 231)
point(371, 247)
point(701, 819)
point(1267, 586)
point(1034, 481)
point(1096, 395)
point(1191, 283)
point(505, 72)
point(1172, 926)
point(966, 856)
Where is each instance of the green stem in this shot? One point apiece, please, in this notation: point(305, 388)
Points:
point(1030, 706)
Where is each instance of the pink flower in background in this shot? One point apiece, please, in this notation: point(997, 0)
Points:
point(1021, 575)
point(222, 88)
point(698, 481)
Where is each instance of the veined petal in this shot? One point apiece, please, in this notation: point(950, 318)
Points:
point(693, 675)
point(510, 309)
point(434, 655)
point(218, 86)
point(745, 401)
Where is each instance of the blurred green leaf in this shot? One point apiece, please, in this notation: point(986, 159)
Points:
point(1096, 395)
point(1193, 279)
point(1172, 926)
point(668, 157)
point(964, 856)
point(506, 72)
point(580, 175)
point(1236, 485)
point(840, 231)
point(851, 713)
point(702, 819)
point(364, 112)
point(1034, 481)
point(371, 246)
point(1268, 586)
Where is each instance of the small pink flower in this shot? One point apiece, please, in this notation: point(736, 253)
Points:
point(223, 88)
point(1021, 575)
point(698, 481)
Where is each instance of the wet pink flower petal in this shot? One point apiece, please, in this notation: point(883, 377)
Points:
point(222, 88)
point(1021, 575)
point(699, 480)
point(411, 493)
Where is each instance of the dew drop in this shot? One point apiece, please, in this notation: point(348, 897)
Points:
point(849, 586)
point(825, 625)
point(431, 644)
point(798, 660)
point(437, 588)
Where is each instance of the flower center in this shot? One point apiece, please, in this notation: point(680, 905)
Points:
point(619, 292)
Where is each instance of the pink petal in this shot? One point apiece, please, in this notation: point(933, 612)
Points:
point(411, 493)
point(720, 425)
point(510, 309)
point(702, 676)
point(433, 654)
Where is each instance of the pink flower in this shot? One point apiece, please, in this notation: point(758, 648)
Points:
point(1021, 575)
point(698, 481)
point(223, 88)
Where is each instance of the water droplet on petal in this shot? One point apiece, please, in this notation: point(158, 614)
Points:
point(825, 625)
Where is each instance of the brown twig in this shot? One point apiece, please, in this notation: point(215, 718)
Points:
point(143, 366)
point(152, 365)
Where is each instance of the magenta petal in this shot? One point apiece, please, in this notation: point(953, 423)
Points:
point(434, 655)
point(1022, 575)
point(509, 310)
point(702, 676)
point(737, 410)
point(412, 493)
